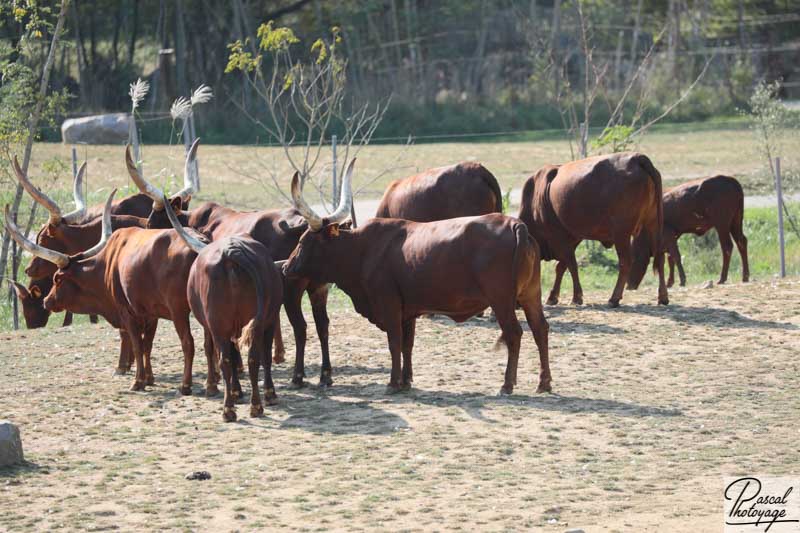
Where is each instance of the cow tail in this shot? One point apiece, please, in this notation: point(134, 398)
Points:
point(655, 241)
point(248, 334)
point(491, 181)
point(522, 242)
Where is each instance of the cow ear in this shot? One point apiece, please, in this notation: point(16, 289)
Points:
point(332, 230)
point(36, 292)
point(347, 225)
point(176, 203)
point(20, 289)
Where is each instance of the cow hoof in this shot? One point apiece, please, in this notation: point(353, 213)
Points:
point(552, 301)
point(325, 380)
point(137, 386)
point(120, 371)
point(544, 387)
point(663, 301)
point(229, 414)
point(297, 382)
point(211, 390)
point(150, 381)
point(256, 411)
point(279, 357)
point(393, 388)
point(577, 301)
point(613, 303)
point(270, 397)
point(506, 391)
point(186, 390)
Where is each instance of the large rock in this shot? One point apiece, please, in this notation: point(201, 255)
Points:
point(97, 129)
point(10, 444)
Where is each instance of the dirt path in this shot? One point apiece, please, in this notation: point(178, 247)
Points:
point(652, 406)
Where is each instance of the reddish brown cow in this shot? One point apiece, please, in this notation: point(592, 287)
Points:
point(70, 233)
point(696, 207)
point(235, 292)
point(396, 270)
point(607, 198)
point(465, 189)
point(279, 230)
point(131, 278)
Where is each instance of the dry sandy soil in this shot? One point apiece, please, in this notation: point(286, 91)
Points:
point(652, 406)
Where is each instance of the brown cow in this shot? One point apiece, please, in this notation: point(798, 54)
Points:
point(235, 291)
point(131, 278)
point(67, 233)
point(277, 229)
point(607, 198)
point(465, 189)
point(396, 270)
point(696, 207)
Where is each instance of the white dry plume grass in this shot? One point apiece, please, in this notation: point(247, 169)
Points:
point(182, 107)
point(138, 92)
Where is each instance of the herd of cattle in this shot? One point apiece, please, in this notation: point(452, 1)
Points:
point(439, 244)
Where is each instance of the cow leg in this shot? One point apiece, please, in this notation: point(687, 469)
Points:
point(135, 337)
point(125, 356)
point(67, 319)
point(292, 303)
point(561, 267)
point(577, 290)
point(93, 319)
point(741, 244)
point(540, 329)
point(409, 328)
point(394, 333)
point(270, 398)
point(254, 360)
point(225, 347)
point(212, 359)
point(671, 278)
point(147, 347)
point(512, 333)
point(280, 350)
point(726, 244)
point(319, 307)
point(184, 331)
point(236, 358)
point(623, 247)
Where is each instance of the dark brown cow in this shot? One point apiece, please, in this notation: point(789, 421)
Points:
point(396, 270)
point(279, 230)
point(235, 291)
point(465, 189)
point(696, 207)
point(67, 233)
point(606, 198)
point(131, 278)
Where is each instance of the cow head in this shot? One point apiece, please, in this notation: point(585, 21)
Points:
point(69, 290)
point(309, 259)
point(32, 298)
point(179, 201)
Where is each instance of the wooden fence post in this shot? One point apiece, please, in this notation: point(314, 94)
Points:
point(780, 214)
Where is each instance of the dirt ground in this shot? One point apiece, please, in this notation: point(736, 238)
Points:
point(652, 406)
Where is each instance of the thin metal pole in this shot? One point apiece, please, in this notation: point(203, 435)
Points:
point(335, 164)
point(780, 214)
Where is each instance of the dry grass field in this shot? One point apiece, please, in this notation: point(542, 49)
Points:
point(230, 174)
point(652, 406)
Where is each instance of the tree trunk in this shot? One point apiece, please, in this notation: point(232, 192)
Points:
point(180, 49)
point(134, 30)
point(33, 123)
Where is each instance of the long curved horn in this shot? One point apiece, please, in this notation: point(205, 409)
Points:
point(38, 195)
point(144, 186)
point(74, 217)
point(313, 219)
point(342, 213)
point(192, 242)
point(57, 258)
point(189, 186)
point(107, 229)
